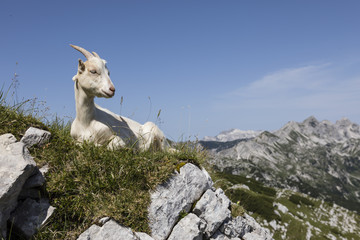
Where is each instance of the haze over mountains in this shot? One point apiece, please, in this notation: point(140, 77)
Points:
point(318, 158)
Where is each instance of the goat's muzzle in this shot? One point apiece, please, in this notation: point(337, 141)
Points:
point(112, 89)
point(109, 93)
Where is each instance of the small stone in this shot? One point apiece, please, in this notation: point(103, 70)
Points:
point(34, 136)
point(104, 220)
point(44, 169)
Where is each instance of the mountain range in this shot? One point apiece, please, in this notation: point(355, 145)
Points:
point(318, 158)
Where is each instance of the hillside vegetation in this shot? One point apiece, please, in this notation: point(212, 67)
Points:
point(86, 182)
point(287, 214)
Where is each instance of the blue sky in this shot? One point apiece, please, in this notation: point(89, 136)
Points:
point(208, 65)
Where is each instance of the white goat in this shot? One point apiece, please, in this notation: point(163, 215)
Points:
point(99, 125)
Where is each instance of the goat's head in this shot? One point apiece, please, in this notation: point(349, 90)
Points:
point(93, 76)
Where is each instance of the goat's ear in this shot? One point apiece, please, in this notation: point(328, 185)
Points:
point(81, 67)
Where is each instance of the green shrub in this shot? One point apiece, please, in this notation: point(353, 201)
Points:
point(256, 203)
point(297, 199)
point(251, 183)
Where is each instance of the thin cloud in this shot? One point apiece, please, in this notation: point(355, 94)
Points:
point(285, 81)
point(320, 90)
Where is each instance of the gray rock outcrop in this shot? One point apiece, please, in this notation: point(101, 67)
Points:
point(21, 202)
point(210, 217)
point(30, 215)
point(16, 166)
point(174, 196)
point(244, 227)
point(213, 208)
point(143, 236)
point(191, 227)
point(110, 231)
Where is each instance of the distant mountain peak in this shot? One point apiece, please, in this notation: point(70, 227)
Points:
point(311, 121)
point(233, 134)
point(343, 122)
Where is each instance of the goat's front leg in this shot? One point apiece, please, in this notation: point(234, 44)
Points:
point(116, 142)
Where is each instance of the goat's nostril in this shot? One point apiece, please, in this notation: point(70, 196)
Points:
point(112, 89)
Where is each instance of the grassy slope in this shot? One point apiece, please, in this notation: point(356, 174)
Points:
point(86, 183)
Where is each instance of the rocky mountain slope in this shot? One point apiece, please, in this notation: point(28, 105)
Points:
point(287, 214)
point(321, 159)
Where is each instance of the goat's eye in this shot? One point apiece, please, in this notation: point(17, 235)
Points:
point(93, 71)
point(108, 73)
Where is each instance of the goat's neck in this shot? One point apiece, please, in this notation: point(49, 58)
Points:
point(85, 106)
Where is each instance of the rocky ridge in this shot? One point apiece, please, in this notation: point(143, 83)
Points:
point(317, 158)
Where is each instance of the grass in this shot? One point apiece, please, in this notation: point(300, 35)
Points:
point(258, 200)
point(85, 182)
point(253, 202)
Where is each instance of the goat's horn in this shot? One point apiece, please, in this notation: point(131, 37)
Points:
point(96, 55)
point(87, 54)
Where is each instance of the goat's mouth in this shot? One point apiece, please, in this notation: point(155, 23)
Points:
point(108, 94)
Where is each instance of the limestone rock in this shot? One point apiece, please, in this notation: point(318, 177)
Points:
point(253, 236)
point(213, 207)
point(237, 227)
point(220, 236)
point(16, 165)
point(143, 236)
point(35, 136)
point(36, 180)
point(257, 231)
point(176, 195)
point(30, 215)
point(33, 193)
point(191, 227)
point(110, 231)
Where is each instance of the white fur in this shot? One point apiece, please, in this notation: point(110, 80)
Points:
point(99, 125)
